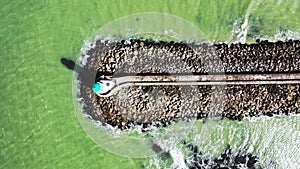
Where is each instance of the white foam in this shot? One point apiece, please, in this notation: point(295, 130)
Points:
point(178, 158)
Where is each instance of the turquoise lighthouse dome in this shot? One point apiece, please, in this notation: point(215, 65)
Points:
point(97, 87)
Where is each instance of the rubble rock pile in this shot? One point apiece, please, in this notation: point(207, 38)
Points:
point(160, 105)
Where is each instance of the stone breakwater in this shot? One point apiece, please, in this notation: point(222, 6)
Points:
point(160, 105)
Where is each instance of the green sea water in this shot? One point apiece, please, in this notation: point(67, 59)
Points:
point(39, 128)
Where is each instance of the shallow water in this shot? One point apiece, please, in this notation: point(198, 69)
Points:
point(38, 123)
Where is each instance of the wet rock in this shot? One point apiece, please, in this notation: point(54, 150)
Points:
point(148, 105)
point(227, 159)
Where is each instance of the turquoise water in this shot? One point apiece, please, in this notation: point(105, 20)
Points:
point(39, 128)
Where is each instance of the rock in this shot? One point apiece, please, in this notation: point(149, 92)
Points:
point(171, 57)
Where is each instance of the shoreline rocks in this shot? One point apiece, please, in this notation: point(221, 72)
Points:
point(161, 105)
